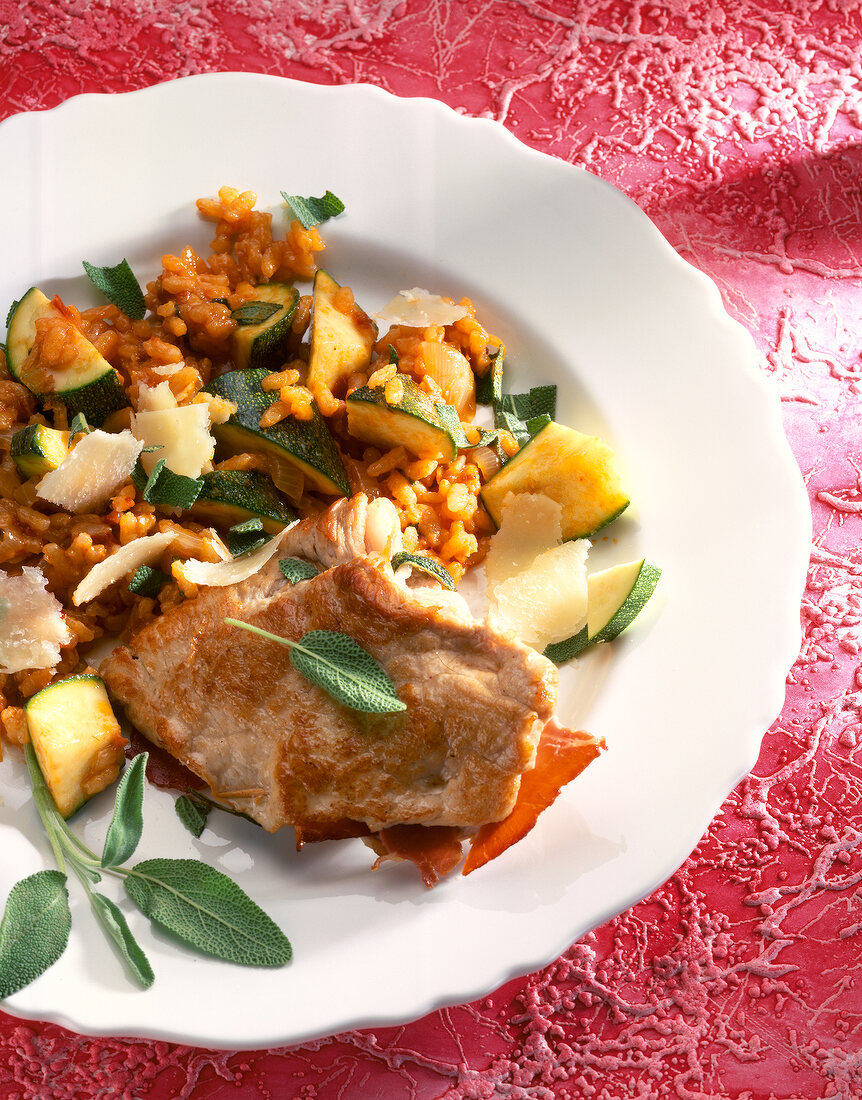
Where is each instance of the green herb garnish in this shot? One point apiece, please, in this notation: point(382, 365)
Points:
point(79, 425)
point(147, 581)
point(120, 287)
point(295, 570)
point(197, 904)
point(171, 490)
point(311, 211)
point(340, 666)
point(193, 812)
point(427, 565)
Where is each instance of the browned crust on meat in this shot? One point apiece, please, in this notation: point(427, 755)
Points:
point(230, 705)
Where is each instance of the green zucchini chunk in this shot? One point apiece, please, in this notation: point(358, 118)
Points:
point(264, 344)
point(341, 343)
point(38, 449)
point(615, 597)
point(412, 422)
point(88, 384)
point(578, 471)
point(76, 738)
point(228, 497)
point(306, 443)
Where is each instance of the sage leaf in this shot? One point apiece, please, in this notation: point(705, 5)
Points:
point(312, 211)
point(148, 581)
point(192, 812)
point(346, 672)
point(207, 910)
point(34, 930)
point(335, 662)
point(254, 313)
point(127, 820)
point(489, 388)
point(114, 923)
point(120, 287)
point(295, 570)
point(427, 565)
point(452, 422)
point(79, 425)
point(172, 490)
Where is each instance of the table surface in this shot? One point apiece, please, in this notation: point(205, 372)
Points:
point(736, 126)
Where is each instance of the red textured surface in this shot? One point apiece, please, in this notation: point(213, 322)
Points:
point(737, 127)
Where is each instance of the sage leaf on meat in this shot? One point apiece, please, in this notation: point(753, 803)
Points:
point(427, 565)
point(295, 570)
point(113, 922)
point(193, 812)
point(34, 930)
point(206, 909)
point(340, 666)
point(120, 287)
point(127, 820)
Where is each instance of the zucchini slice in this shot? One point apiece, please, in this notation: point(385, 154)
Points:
point(76, 738)
point(412, 422)
point(228, 497)
point(306, 443)
point(615, 597)
point(341, 343)
point(264, 344)
point(578, 471)
point(89, 384)
point(38, 449)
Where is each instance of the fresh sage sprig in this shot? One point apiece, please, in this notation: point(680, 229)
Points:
point(198, 905)
point(120, 287)
point(427, 565)
point(339, 665)
point(312, 211)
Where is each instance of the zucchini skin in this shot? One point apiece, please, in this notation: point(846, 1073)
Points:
point(308, 443)
point(228, 497)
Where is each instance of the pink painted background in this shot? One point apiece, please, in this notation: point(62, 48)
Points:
point(737, 127)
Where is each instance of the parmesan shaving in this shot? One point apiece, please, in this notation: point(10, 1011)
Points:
point(32, 627)
point(123, 562)
point(91, 472)
point(418, 308)
point(180, 434)
point(546, 602)
point(219, 574)
point(530, 523)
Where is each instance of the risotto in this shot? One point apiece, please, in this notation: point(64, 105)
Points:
point(186, 339)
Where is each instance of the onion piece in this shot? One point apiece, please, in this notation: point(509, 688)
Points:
point(453, 374)
point(487, 459)
point(286, 477)
point(121, 563)
point(222, 573)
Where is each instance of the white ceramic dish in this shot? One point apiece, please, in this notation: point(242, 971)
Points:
point(585, 293)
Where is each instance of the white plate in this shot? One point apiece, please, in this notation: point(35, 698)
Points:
point(585, 293)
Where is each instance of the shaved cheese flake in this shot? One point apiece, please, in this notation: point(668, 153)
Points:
point(122, 563)
point(180, 434)
point(417, 308)
point(32, 627)
point(91, 472)
point(220, 574)
point(157, 398)
point(547, 601)
point(530, 524)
